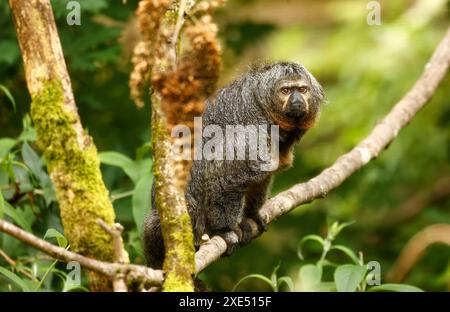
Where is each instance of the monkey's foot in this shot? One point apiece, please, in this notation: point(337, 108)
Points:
point(232, 238)
point(262, 225)
point(248, 227)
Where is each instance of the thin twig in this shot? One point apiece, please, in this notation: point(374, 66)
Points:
point(115, 197)
point(119, 283)
point(8, 259)
point(116, 233)
point(13, 263)
point(177, 30)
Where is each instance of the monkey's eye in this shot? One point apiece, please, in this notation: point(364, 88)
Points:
point(285, 90)
point(303, 89)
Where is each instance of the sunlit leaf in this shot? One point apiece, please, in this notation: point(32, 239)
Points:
point(310, 277)
point(348, 277)
point(60, 238)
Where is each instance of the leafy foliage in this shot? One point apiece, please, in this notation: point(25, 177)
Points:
point(27, 198)
point(348, 277)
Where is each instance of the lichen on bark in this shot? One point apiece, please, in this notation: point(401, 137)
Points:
point(75, 172)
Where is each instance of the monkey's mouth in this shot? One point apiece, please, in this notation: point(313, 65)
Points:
point(297, 114)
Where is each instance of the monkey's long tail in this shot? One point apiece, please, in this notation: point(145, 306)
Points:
point(153, 241)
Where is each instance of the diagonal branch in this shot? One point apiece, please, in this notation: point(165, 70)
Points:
point(133, 273)
point(379, 139)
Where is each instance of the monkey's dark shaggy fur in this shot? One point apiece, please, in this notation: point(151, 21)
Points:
point(220, 193)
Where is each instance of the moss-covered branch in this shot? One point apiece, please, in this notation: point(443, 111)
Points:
point(70, 154)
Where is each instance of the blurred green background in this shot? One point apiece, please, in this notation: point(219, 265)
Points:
point(364, 70)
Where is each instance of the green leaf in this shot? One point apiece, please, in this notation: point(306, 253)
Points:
point(121, 161)
point(9, 96)
point(5, 146)
point(348, 277)
point(28, 132)
point(69, 286)
point(49, 269)
point(310, 277)
point(257, 276)
point(396, 288)
point(346, 251)
point(141, 201)
point(2, 206)
point(143, 150)
point(61, 239)
point(49, 192)
point(15, 278)
point(286, 280)
point(17, 216)
point(32, 160)
point(273, 276)
point(336, 228)
point(307, 238)
point(135, 241)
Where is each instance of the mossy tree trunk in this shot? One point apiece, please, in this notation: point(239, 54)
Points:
point(175, 221)
point(70, 153)
point(183, 57)
point(179, 261)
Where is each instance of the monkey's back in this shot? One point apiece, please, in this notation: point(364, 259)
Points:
point(212, 180)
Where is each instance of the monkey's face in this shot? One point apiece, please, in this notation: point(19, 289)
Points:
point(288, 93)
point(296, 102)
point(293, 98)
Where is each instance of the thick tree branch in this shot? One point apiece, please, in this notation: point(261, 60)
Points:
point(379, 139)
point(113, 271)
